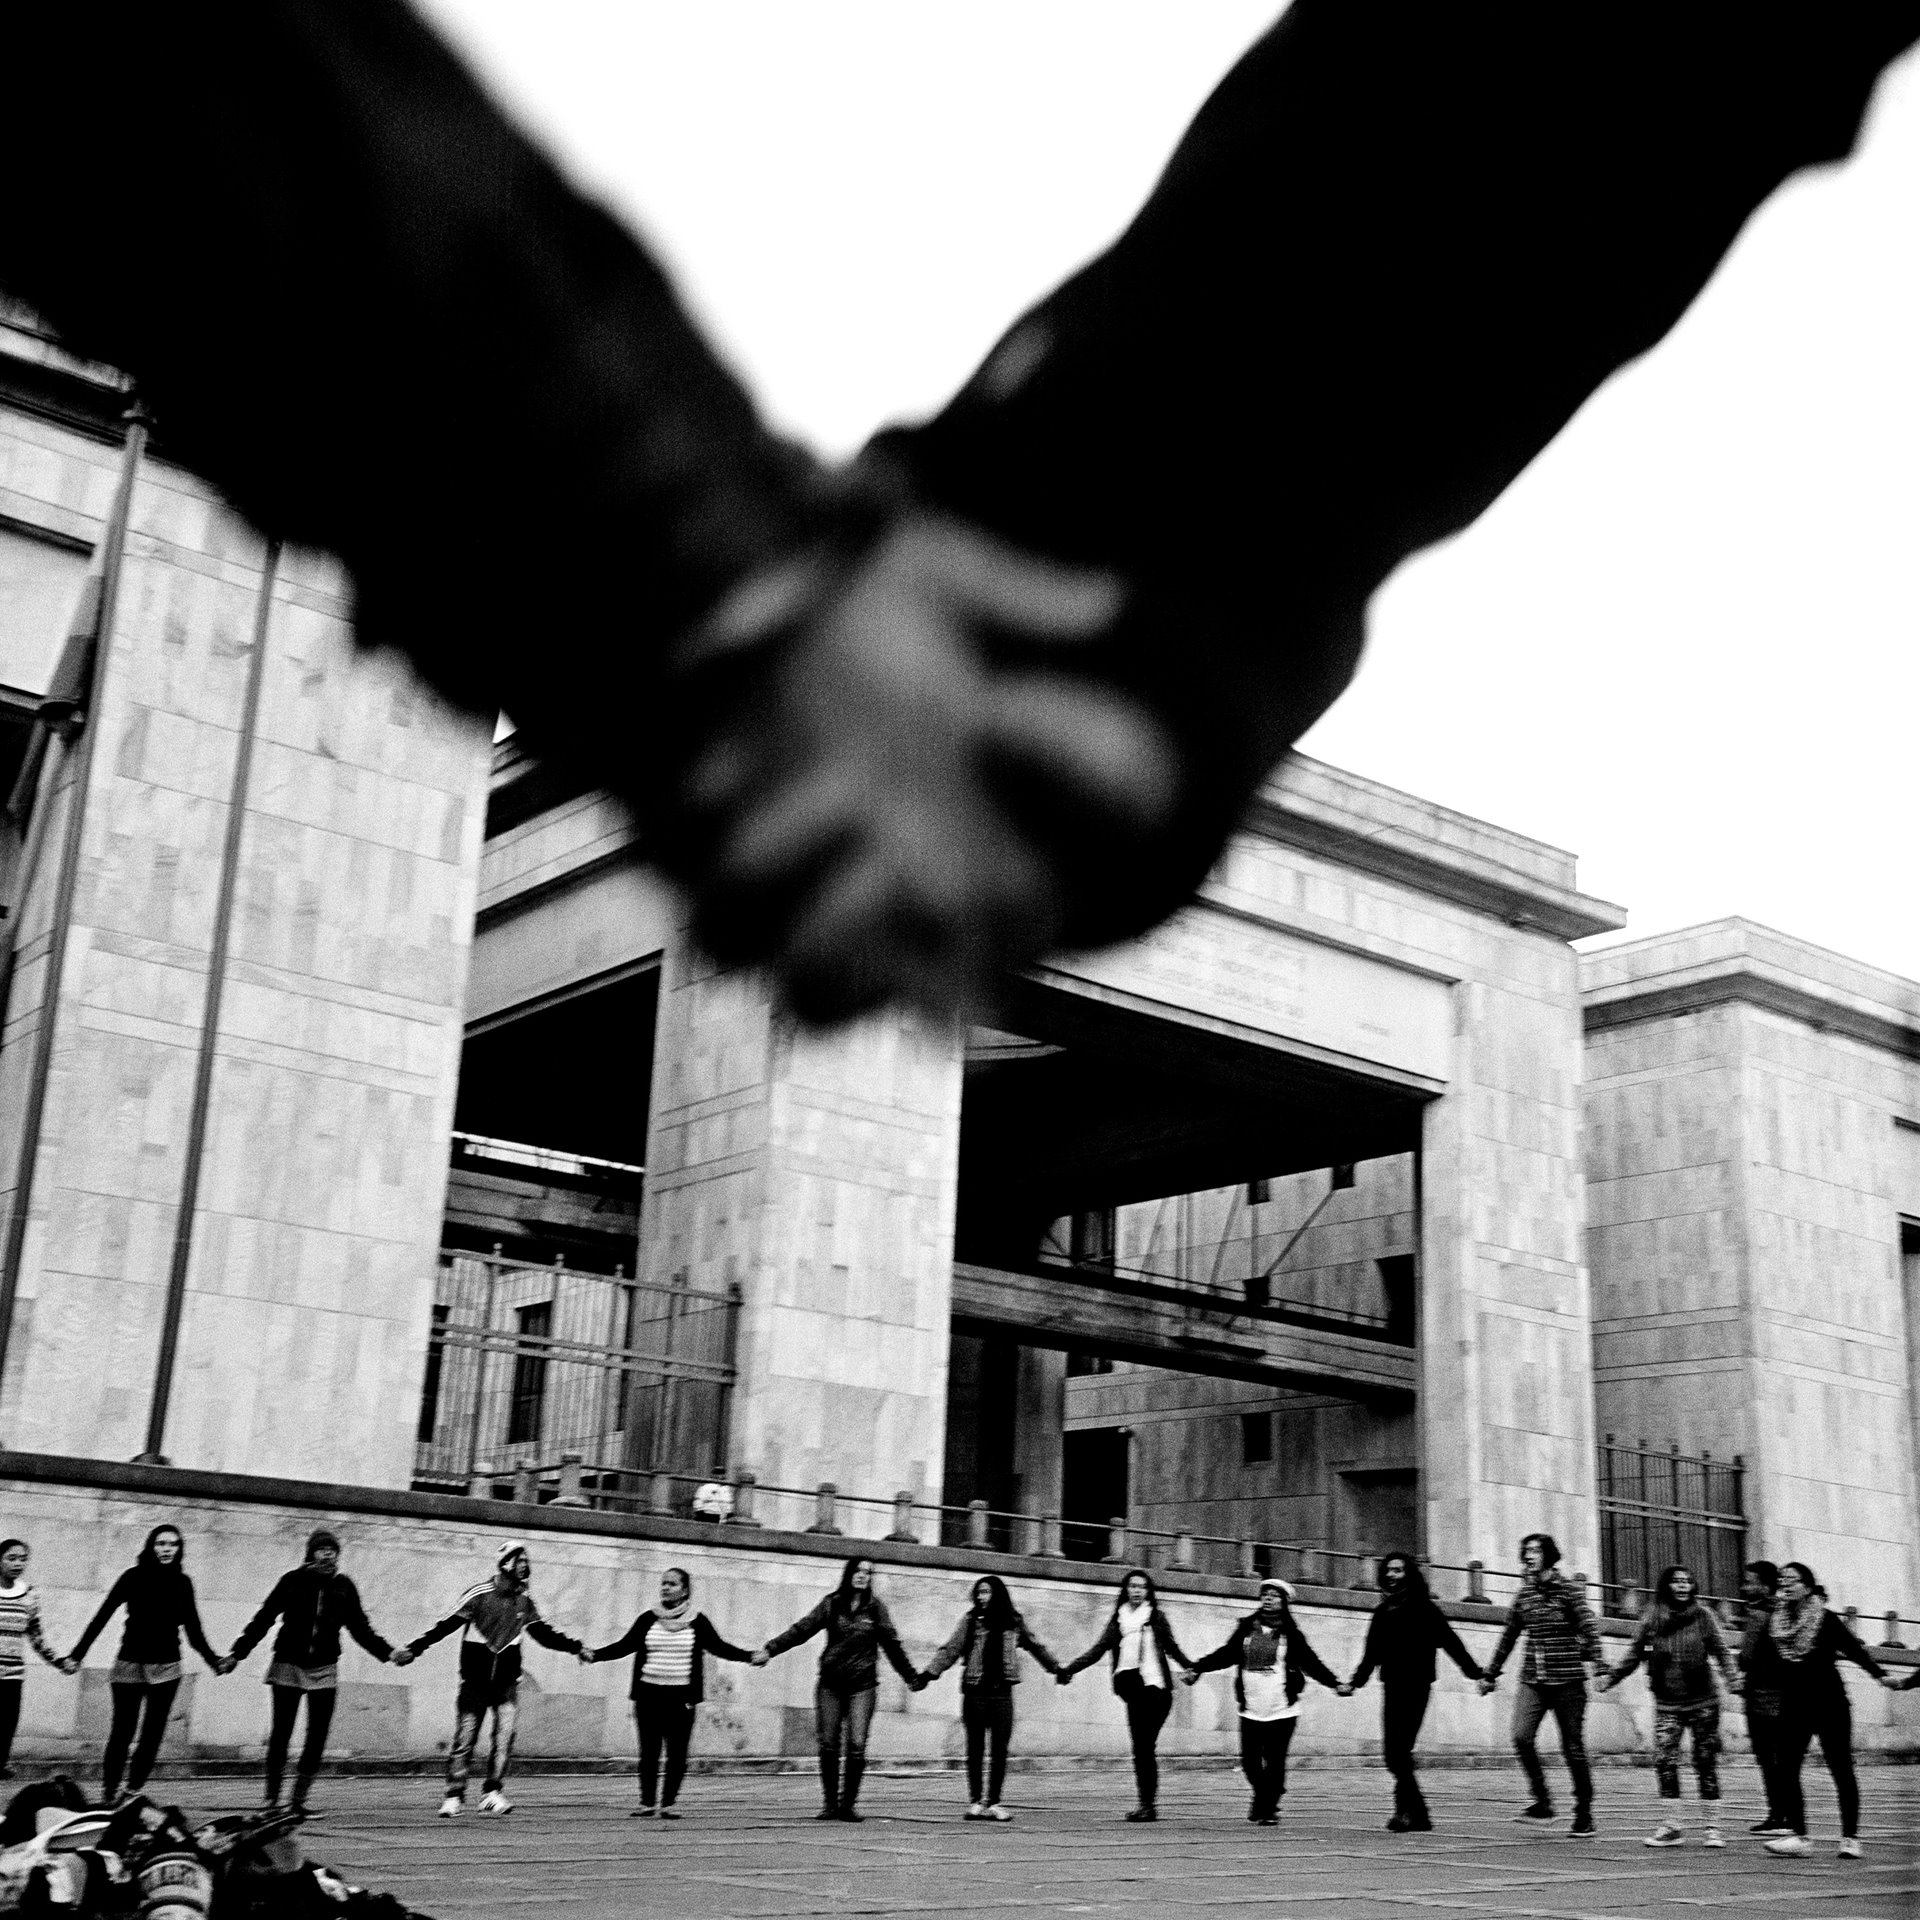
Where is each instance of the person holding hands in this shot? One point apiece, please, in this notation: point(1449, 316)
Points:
point(669, 1644)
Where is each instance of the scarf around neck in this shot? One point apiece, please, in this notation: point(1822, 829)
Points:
point(1794, 1634)
point(674, 1618)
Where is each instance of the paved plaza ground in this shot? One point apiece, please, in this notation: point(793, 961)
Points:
point(749, 1847)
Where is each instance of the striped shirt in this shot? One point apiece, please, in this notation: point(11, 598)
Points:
point(670, 1654)
point(19, 1623)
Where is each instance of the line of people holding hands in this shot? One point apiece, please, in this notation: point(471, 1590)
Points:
point(1786, 1667)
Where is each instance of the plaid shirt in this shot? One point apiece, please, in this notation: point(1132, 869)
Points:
point(1560, 1629)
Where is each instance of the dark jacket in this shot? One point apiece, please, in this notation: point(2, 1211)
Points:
point(160, 1607)
point(493, 1624)
point(856, 1637)
point(1813, 1685)
point(1560, 1629)
point(992, 1660)
point(1109, 1644)
point(1761, 1664)
point(1680, 1649)
point(313, 1610)
point(1253, 1642)
point(1402, 1639)
point(705, 1641)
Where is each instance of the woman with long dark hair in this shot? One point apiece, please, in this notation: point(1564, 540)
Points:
point(1681, 1643)
point(19, 1628)
point(158, 1597)
point(314, 1603)
point(988, 1640)
point(1142, 1654)
point(1405, 1633)
point(1272, 1661)
point(859, 1629)
point(670, 1644)
point(1811, 1640)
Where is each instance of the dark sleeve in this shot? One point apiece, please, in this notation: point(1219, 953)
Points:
point(1846, 1646)
point(257, 1628)
point(546, 1636)
point(1449, 1642)
point(356, 1623)
point(1397, 249)
point(1911, 1682)
point(190, 1623)
point(1109, 1636)
point(890, 1642)
point(629, 1642)
point(1636, 1650)
point(803, 1629)
point(1226, 1654)
point(1509, 1638)
point(116, 1596)
point(356, 297)
point(1310, 1662)
point(1169, 1646)
point(1034, 1647)
point(955, 1645)
point(1370, 1652)
point(706, 1636)
point(439, 1630)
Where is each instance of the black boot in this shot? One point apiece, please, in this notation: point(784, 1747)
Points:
point(850, 1788)
point(829, 1785)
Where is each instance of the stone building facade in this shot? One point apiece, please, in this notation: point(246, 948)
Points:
point(1348, 1209)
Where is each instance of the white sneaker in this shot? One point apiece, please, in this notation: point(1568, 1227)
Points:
point(1790, 1846)
point(1666, 1834)
point(495, 1803)
point(452, 1807)
point(1849, 1849)
point(977, 1811)
point(998, 1812)
point(1711, 1838)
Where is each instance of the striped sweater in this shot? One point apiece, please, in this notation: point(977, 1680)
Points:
point(19, 1623)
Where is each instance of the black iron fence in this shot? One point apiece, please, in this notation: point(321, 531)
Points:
point(1667, 1508)
point(525, 1363)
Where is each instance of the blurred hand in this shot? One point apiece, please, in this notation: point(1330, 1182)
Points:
point(404, 1656)
point(1345, 1689)
point(880, 807)
point(69, 1665)
point(1064, 1678)
point(1486, 1685)
point(760, 1658)
point(586, 1656)
point(1189, 1679)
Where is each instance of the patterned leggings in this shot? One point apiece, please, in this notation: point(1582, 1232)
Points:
point(1669, 1725)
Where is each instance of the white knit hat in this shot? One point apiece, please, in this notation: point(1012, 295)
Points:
point(1273, 1580)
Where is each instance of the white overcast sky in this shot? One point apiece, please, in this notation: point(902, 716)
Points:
point(1686, 643)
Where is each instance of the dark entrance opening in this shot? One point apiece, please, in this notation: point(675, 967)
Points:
point(1094, 1490)
point(550, 1127)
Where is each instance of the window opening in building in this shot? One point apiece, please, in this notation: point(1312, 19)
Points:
point(1256, 1439)
point(430, 1385)
point(529, 1375)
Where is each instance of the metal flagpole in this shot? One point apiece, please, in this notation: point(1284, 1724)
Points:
point(210, 1023)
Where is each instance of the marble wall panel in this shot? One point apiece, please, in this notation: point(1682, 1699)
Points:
point(338, 1048)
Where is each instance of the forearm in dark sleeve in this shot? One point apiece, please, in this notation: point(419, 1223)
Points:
point(1397, 249)
point(361, 303)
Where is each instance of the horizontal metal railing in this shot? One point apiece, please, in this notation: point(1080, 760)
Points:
point(528, 1362)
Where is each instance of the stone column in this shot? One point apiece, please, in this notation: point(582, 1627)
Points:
point(1506, 1362)
point(1040, 1412)
point(816, 1173)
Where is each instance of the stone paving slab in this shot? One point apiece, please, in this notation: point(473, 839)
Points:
point(749, 1849)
